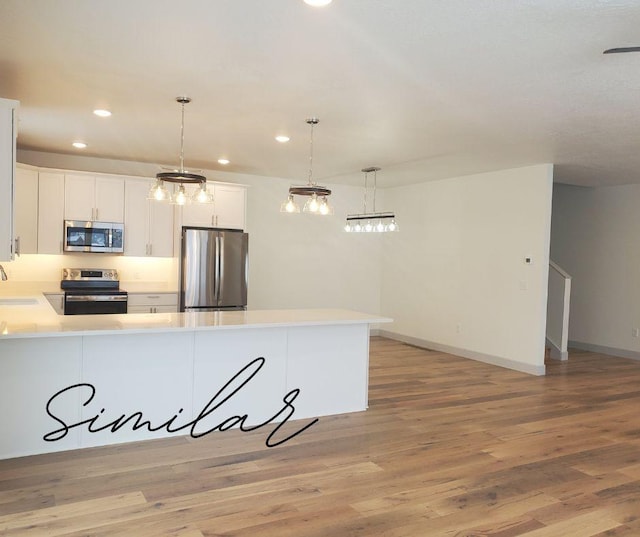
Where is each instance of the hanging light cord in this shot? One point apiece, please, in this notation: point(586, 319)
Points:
point(182, 141)
point(366, 174)
point(311, 155)
point(375, 182)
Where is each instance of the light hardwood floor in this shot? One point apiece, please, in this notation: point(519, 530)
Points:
point(448, 447)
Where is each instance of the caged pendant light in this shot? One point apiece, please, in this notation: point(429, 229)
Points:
point(317, 202)
point(159, 191)
point(373, 222)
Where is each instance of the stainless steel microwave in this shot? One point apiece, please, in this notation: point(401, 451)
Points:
point(101, 237)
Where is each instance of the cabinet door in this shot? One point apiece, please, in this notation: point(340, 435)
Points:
point(230, 206)
point(109, 200)
point(139, 309)
point(8, 128)
point(26, 211)
point(50, 212)
point(197, 214)
point(79, 196)
point(136, 217)
point(161, 229)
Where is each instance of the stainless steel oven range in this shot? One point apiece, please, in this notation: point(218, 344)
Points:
point(92, 291)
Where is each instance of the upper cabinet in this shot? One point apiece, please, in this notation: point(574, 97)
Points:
point(99, 198)
point(26, 211)
point(8, 132)
point(228, 209)
point(148, 224)
point(50, 212)
point(45, 198)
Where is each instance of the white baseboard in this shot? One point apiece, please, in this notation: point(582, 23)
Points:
point(612, 351)
point(465, 353)
point(555, 352)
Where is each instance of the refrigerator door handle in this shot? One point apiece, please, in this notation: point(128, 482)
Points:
point(219, 267)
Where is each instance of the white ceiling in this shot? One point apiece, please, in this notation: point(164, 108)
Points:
point(425, 89)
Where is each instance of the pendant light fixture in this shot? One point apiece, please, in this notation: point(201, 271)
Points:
point(371, 222)
point(317, 202)
point(159, 191)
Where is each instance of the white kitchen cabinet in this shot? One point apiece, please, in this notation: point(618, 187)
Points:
point(152, 303)
point(26, 211)
point(230, 206)
point(99, 198)
point(148, 223)
point(197, 214)
point(50, 212)
point(227, 211)
point(8, 133)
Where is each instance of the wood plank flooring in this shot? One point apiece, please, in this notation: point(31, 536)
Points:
point(448, 447)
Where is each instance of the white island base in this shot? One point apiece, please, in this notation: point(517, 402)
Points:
point(169, 375)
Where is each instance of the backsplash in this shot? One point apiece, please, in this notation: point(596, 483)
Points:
point(47, 268)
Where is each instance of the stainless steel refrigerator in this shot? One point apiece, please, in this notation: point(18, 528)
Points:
point(213, 269)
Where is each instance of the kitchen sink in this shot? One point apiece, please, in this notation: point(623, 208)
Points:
point(18, 301)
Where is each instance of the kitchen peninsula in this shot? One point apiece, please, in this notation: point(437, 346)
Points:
point(97, 371)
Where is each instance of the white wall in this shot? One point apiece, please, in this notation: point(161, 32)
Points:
point(596, 239)
point(306, 261)
point(455, 278)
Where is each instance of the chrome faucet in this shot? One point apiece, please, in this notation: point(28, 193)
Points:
point(3, 274)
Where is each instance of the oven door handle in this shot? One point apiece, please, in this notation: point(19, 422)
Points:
point(96, 298)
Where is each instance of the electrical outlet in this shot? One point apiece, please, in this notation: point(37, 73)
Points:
point(635, 332)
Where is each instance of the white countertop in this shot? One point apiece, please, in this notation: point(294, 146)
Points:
point(37, 318)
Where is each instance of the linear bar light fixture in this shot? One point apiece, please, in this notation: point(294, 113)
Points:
point(371, 222)
point(317, 202)
point(160, 193)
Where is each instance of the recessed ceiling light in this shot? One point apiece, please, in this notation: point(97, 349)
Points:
point(223, 161)
point(102, 113)
point(317, 3)
point(79, 145)
point(282, 139)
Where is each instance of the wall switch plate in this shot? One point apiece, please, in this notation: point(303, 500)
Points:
point(635, 332)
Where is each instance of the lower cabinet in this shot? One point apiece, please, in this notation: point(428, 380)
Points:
point(152, 303)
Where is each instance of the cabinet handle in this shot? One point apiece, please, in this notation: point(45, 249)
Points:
point(17, 246)
point(151, 249)
point(97, 218)
point(153, 296)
